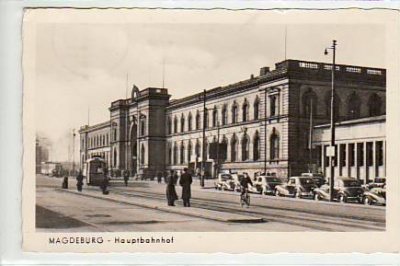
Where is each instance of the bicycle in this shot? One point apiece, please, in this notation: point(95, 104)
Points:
point(245, 198)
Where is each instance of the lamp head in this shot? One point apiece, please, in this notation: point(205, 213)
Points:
point(326, 52)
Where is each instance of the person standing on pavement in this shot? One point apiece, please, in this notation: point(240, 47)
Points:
point(126, 177)
point(159, 177)
point(171, 192)
point(186, 182)
point(79, 180)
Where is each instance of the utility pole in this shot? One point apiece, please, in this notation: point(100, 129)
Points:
point(204, 158)
point(310, 136)
point(265, 132)
point(73, 151)
point(332, 151)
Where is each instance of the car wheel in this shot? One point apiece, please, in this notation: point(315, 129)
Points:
point(367, 201)
point(342, 199)
point(317, 197)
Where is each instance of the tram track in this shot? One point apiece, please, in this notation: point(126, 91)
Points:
point(311, 221)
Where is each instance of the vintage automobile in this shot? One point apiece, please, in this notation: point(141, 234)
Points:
point(296, 186)
point(266, 184)
point(375, 196)
point(379, 182)
point(345, 189)
point(228, 181)
point(319, 179)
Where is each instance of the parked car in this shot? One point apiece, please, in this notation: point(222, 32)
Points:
point(345, 189)
point(319, 179)
point(375, 196)
point(266, 184)
point(296, 186)
point(379, 182)
point(228, 181)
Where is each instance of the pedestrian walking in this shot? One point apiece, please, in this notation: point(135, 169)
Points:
point(126, 177)
point(79, 181)
point(186, 181)
point(159, 177)
point(171, 192)
point(104, 186)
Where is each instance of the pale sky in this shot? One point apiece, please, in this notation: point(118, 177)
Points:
point(86, 64)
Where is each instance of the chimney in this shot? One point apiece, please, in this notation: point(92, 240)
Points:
point(264, 70)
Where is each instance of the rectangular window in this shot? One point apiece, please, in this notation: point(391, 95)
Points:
point(360, 154)
point(370, 154)
point(379, 153)
point(342, 154)
point(326, 160)
point(351, 154)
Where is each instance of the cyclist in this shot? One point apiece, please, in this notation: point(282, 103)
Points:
point(244, 183)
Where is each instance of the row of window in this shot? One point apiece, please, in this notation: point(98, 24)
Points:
point(354, 105)
point(175, 126)
point(351, 153)
point(96, 141)
point(183, 154)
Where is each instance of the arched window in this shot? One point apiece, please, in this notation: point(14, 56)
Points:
point(245, 148)
point(224, 115)
point(245, 111)
point(374, 105)
point(169, 125)
point(273, 105)
point(353, 106)
point(256, 147)
point(182, 153)
point(197, 120)
point(115, 157)
point(224, 146)
point(189, 151)
point(234, 113)
point(142, 154)
point(175, 125)
point(142, 126)
point(215, 117)
point(233, 148)
point(169, 153)
point(175, 154)
point(190, 122)
point(206, 149)
point(197, 149)
point(182, 123)
point(338, 103)
point(310, 101)
point(206, 118)
point(256, 108)
point(274, 145)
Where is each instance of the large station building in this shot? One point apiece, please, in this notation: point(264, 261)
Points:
point(275, 122)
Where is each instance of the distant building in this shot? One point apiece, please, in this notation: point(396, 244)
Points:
point(42, 155)
point(264, 122)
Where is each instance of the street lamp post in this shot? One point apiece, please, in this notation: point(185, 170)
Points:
point(73, 151)
point(204, 158)
point(332, 146)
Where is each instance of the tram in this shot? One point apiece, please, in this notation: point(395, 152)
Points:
point(94, 171)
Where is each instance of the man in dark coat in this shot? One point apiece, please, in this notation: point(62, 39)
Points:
point(79, 180)
point(186, 182)
point(126, 177)
point(171, 192)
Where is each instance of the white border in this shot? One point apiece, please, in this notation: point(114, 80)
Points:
point(11, 143)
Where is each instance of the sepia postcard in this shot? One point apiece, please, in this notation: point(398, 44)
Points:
point(204, 131)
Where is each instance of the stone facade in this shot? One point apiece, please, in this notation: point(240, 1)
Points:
point(264, 121)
